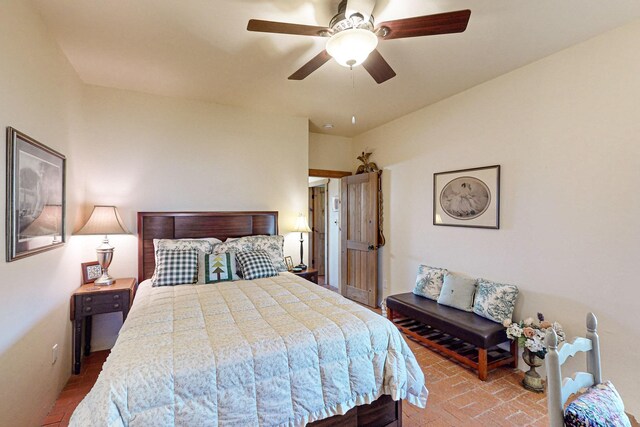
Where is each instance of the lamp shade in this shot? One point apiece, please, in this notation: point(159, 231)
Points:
point(301, 225)
point(352, 47)
point(104, 220)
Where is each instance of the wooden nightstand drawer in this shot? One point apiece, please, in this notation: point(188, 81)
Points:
point(102, 308)
point(103, 299)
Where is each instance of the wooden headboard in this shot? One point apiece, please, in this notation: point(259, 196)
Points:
point(185, 225)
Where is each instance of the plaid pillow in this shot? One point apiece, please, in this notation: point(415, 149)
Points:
point(176, 267)
point(255, 265)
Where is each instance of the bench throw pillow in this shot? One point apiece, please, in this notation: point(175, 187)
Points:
point(255, 265)
point(429, 281)
point(495, 301)
point(601, 405)
point(214, 268)
point(457, 291)
point(176, 267)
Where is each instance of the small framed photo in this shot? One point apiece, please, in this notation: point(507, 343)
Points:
point(90, 272)
point(289, 261)
point(467, 198)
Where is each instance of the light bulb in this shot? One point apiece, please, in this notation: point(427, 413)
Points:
point(351, 47)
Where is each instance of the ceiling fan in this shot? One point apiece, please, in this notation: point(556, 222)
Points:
point(353, 36)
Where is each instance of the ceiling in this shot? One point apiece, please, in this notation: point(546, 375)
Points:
point(200, 49)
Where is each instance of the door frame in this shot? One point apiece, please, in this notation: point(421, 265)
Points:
point(328, 173)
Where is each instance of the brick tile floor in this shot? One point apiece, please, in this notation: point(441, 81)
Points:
point(76, 389)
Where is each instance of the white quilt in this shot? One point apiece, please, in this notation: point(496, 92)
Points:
point(265, 352)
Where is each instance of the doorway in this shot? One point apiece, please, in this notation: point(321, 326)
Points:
point(318, 248)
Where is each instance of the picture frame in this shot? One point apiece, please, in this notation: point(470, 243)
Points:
point(90, 272)
point(289, 261)
point(35, 209)
point(467, 197)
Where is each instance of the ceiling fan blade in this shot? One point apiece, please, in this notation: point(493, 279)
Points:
point(308, 68)
point(284, 28)
point(379, 69)
point(429, 25)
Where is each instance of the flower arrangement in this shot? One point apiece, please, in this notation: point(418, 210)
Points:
point(530, 335)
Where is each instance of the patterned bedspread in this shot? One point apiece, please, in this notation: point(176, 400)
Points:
point(277, 351)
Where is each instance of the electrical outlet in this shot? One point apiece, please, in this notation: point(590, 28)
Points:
point(54, 354)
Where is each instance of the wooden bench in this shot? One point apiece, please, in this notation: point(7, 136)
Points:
point(466, 337)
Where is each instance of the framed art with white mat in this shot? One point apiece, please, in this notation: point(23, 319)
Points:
point(467, 198)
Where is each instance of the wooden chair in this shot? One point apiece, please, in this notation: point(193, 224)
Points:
point(558, 389)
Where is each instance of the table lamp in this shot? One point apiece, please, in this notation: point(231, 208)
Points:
point(104, 220)
point(301, 227)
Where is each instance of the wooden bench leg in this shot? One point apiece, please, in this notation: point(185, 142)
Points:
point(514, 353)
point(483, 370)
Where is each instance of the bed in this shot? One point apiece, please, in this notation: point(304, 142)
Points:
point(270, 351)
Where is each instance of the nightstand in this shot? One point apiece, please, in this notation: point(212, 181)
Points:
point(88, 300)
point(311, 274)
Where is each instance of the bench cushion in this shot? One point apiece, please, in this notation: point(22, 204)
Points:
point(461, 324)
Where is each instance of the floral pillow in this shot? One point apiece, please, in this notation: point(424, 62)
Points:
point(429, 281)
point(495, 301)
point(236, 245)
point(272, 245)
point(600, 406)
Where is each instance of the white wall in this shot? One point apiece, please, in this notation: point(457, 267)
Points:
point(565, 130)
point(330, 152)
point(40, 96)
point(148, 153)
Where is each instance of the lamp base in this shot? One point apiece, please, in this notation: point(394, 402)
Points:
point(104, 280)
point(301, 266)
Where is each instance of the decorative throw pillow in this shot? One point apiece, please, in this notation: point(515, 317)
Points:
point(176, 267)
point(272, 245)
point(255, 265)
point(204, 245)
point(214, 268)
point(429, 281)
point(601, 405)
point(236, 245)
point(495, 301)
point(457, 291)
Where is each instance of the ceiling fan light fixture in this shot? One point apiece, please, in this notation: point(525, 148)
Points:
point(351, 47)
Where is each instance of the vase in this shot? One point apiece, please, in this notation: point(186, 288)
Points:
point(532, 380)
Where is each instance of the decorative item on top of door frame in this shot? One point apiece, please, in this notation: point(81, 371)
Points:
point(467, 197)
point(35, 197)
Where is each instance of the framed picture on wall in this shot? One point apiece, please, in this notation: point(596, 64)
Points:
point(35, 196)
point(467, 198)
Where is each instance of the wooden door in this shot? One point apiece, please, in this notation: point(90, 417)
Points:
point(317, 203)
point(359, 235)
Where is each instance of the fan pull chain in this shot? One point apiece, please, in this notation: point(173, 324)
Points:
point(355, 99)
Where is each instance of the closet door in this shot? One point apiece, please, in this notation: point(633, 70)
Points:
point(359, 234)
